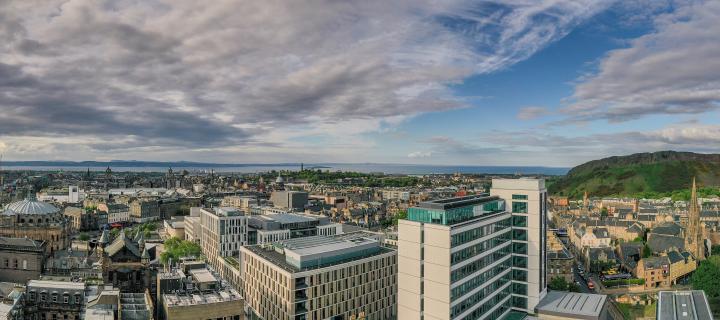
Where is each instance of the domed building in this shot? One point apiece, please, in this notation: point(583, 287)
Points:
point(36, 220)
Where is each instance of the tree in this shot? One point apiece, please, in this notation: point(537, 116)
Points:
point(84, 237)
point(707, 277)
point(398, 216)
point(715, 250)
point(114, 232)
point(646, 252)
point(558, 284)
point(176, 249)
point(573, 287)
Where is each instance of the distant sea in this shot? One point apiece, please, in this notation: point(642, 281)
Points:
point(252, 168)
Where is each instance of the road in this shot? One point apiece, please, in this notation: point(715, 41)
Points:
point(583, 283)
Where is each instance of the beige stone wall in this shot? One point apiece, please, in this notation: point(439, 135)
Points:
point(366, 286)
point(228, 310)
point(57, 238)
point(18, 266)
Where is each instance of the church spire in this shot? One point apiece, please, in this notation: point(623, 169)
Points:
point(694, 236)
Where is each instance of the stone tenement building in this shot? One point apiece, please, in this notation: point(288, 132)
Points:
point(54, 300)
point(21, 259)
point(36, 220)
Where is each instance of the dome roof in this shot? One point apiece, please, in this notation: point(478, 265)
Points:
point(279, 179)
point(31, 206)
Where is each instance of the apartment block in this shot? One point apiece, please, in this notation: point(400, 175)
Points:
point(224, 231)
point(474, 257)
point(341, 277)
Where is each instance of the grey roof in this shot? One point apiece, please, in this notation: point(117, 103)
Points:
point(594, 253)
point(559, 254)
point(449, 203)
point(683, 305)
point(636, 227)
point(656, 262)
point(122, 242)
point(661, 242)
point(30, 206)
point(675, 257)
point(670, 229)
point(572, 305)
point(286, 218)
point(20, 242)
point(630, 253)
point(601, 233)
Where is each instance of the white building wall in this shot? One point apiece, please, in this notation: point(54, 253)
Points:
point(536, 193)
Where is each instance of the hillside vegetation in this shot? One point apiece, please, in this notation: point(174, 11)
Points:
point(664, 173)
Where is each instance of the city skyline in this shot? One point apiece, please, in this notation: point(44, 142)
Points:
point(541, 83)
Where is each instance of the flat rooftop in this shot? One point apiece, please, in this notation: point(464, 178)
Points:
point(286, 218)
point(224, 211)
point(683, 305)
point(176, 300)
point(50, 284)
point(203, 275)
point(307, 253)
point(572, 305)
point(314, 245)
point(450, 203)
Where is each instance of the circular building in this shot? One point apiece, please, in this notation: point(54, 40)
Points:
point(37, 220)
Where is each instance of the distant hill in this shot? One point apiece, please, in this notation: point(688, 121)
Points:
point(657, 172)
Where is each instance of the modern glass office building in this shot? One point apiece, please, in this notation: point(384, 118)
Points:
point(474, 257)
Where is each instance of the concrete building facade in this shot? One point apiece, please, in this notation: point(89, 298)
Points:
point(341, 277)
point(474, 257)
point(224, 231)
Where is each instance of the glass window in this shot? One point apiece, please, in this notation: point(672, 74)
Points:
point(520, 234)
point(519, 262)
point(519, 221)
point(519, 302)
point(519, 288)
point(519, 275)
point(520, 248)
point(519, 197)
point(519, 207)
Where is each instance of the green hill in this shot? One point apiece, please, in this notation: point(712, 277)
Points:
point(645, 174)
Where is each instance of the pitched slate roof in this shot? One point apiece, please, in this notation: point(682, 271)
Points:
point(656, 262)
point(594, 253)
point(601, 233)
point(20, 242)
point(661, 242)
point(670, 229)
point(675, 256)
point(122, 242)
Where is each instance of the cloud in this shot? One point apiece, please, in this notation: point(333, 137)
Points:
point(673, 70)
point(420, 154)
point(679, 137)
point(530, 113)
point(192, 76)
point(451, 146)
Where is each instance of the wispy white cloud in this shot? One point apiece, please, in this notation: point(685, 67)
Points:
point(420, 154)
point(673, 70)
point(530, 113)
point(188, 75)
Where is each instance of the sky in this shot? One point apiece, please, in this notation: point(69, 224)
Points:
point(520, 82)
